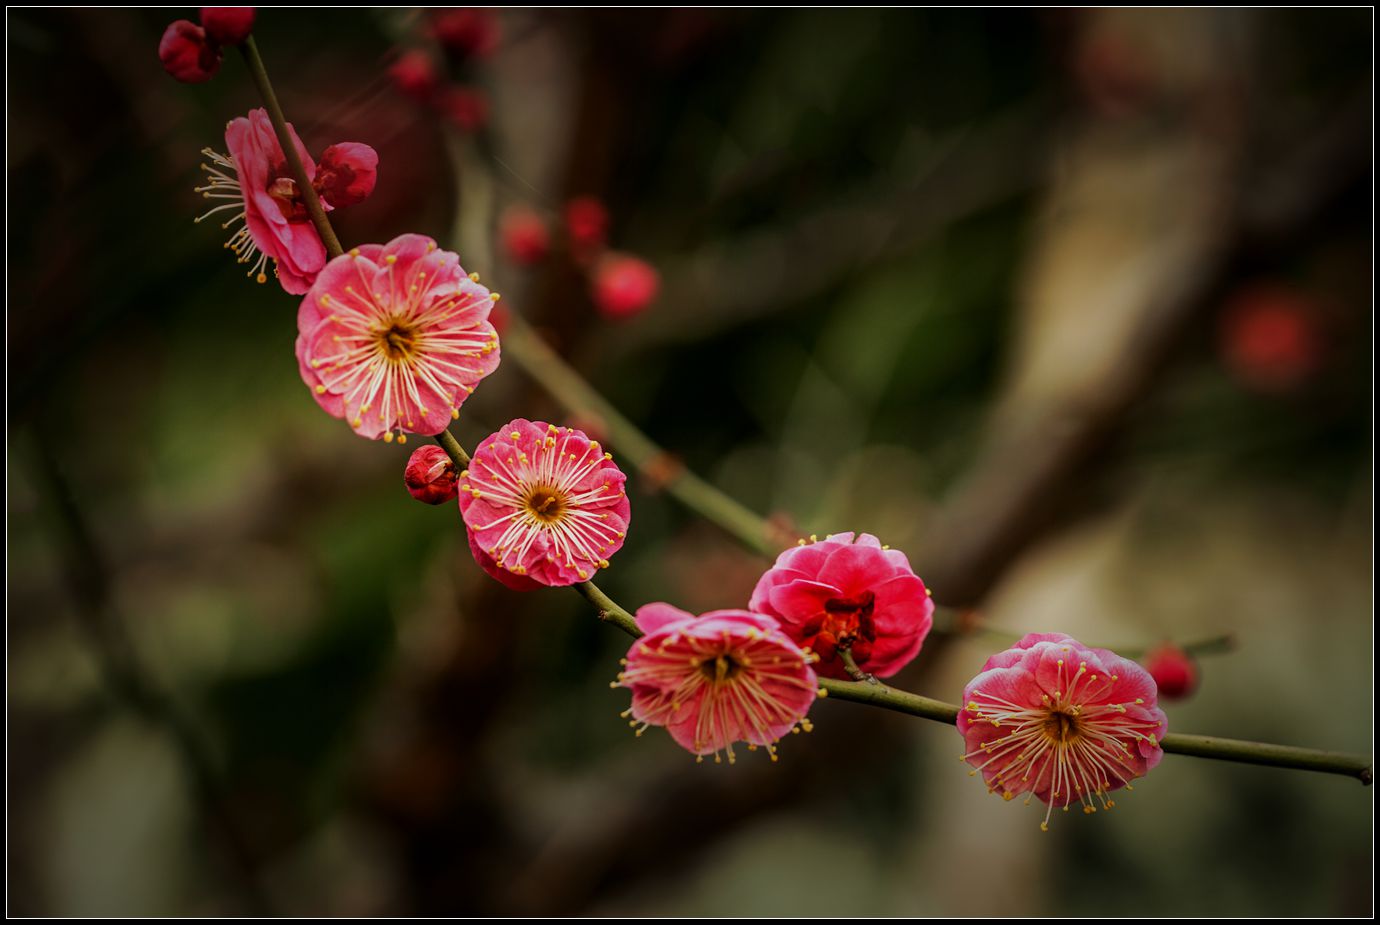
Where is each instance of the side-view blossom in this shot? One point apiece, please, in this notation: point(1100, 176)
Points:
point(848, 592)
point(257, 183)
point(624, 285)
point(1061, 721)
point(543, 502)
point(188, 54)
point(724, 677)
point(395, 337)
point(430, 475)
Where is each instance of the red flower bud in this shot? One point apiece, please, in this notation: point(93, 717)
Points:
point(187, 54)
point(466, 107)
point(466, 32)
point(414, 75)
point(587, 221)
point(430, 476)
point(1271, 338)
point(346, 174)
point(624, 285)
point(228, 25)
point(1173, 671)
point(524, 234)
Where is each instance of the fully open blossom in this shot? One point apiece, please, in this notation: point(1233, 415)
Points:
point(228, 25)
point(1062, 722)
point(430, 475)
point(1174, 672)
point(544, 502)
point(188, 54)
point(623, 285)
point(395, 337)
point(849, 593)
point(257, 183)
point(727, 676)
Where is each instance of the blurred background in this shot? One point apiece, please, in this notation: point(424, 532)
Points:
point(1074, 307)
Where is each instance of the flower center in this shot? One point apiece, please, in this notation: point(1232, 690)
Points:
point(1061, 727)
point(545, 503)
point(720, 668)
point(398, 341)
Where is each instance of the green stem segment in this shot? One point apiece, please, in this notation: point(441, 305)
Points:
point(280, 128)
point(567, 387)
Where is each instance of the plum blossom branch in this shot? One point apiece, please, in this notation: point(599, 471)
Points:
point(570, 389)
point(280, 128)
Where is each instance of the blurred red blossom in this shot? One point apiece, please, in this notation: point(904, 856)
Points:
point(1173, 670)
point(526, 239)
point(1271, 338)
point(466, 107)
point(414, 74)
point(624, 285)
point(466, 31)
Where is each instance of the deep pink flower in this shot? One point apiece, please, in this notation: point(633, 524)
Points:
point(347, 173)
point(467, 32)
point(430, 475)
point(726, 676)
point(187, 54)
point(840, 593)
point(545, 502)
point(258, 183)
point(587, 222)
point(1174, 672)
point(414, 74)
point(624, 285)
point(228, 25)
point(395, 337)
point(466, 107)
point(1062, 722)
point(526, 239)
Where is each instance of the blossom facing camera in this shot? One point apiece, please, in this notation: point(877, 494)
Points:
point(848, 592)
point(624, 285)
point(188, 54)
point(430, 475)
point(526, 239)
point(1060, 721)
point(228, 25)
point(1173, 670)
point(724, 677)
point(395, 337)
point(544, 502)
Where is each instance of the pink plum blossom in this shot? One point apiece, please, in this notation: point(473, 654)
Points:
point(726, 676)
point(848, 593)
point(1062, 722)
point(430, 475)
point(544, 502)
point(395, 337)
point(257, 183)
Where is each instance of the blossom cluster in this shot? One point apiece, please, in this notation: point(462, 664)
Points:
point(393, 338)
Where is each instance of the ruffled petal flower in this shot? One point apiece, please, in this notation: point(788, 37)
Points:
point(727, 676)
point(544, 502)
point(395, 337)
point(852, 593)
point(1058, 720)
